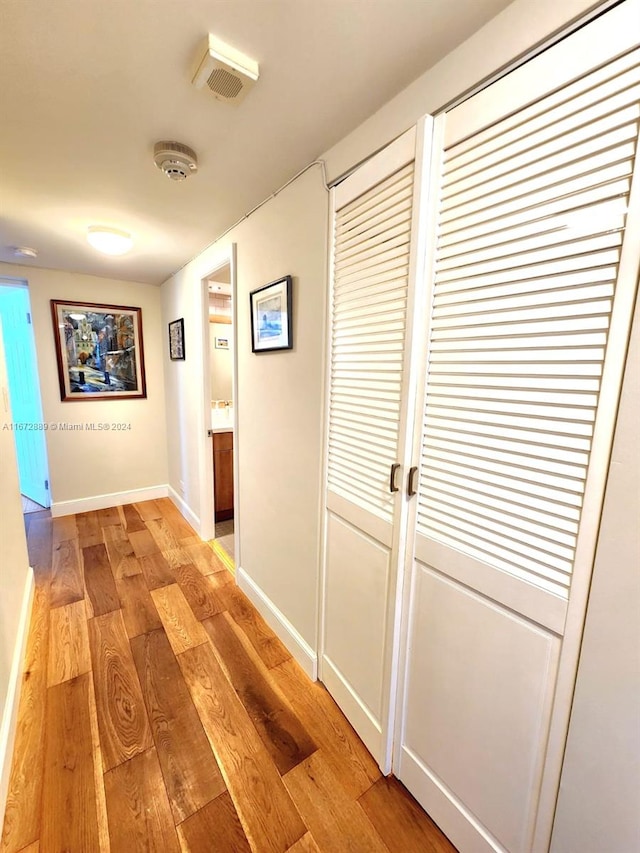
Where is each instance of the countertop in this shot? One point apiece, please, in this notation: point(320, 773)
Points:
point(222, 420)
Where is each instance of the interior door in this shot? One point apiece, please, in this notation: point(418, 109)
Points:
point(24, 388)
point(367, 417)
point(534, 275)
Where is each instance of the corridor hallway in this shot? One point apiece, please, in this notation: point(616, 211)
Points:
point(159, 712)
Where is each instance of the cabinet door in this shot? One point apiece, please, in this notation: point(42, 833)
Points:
point(223, 475)
point(373, 217)
point(535, 271)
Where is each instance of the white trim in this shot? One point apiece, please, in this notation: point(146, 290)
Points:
point(151, 493)
point(206, 525)
point(533, 602)
point(597, 475)
point(464, 830)
point(326, 392)
point(375, 527)
point(12, 701)
point(325, 412)
point(430, 192)
point(360, 717)
point(415, 357)
point(236, 409)
point(185, 509)
point(382, 164)
point(275, 618)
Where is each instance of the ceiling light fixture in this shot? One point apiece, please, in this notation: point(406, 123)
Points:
point(24, 252)
point(111, 241)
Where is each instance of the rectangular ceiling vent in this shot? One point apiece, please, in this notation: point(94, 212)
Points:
point(224, 71)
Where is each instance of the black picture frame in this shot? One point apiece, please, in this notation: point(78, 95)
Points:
point(176, 340)
point(272, 316)
point(99, 351)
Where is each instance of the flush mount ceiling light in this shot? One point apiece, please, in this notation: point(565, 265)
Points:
point(227, 73)
point(111, 241)
point(24, 252)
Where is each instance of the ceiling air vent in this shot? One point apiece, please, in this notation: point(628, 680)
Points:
point(224, 71)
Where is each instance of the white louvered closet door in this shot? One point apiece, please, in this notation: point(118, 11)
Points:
point(373, 214)
point(535, 269)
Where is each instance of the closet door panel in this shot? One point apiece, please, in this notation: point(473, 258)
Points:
point(357, 582)
point(534, 271)
point(373, 221)
point(464, 703)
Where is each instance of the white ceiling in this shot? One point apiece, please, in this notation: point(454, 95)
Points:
point(88, 86)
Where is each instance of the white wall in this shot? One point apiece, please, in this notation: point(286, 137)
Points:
point(221, 362)
point(15, 577)
point(86, 464)
point(280, 397)
point(599, 803)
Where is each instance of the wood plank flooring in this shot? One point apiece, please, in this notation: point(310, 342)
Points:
point(159, 712)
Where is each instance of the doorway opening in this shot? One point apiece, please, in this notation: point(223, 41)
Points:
point(24, 390)
point(221, 508)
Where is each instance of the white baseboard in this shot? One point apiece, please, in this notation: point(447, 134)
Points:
point(12, 701)
point(297, 645)
point(59, 508)
point(184, 508)
point(360, 717)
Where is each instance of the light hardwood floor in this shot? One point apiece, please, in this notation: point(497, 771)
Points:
point(160, 713)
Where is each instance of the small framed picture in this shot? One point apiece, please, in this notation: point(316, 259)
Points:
point(222, 343)
point(99, 351)
point(271, 316)
point(176, 340)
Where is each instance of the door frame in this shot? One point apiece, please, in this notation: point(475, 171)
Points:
point(227, 257)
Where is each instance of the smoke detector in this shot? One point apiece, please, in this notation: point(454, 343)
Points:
point(224, 71)
point(175, 160)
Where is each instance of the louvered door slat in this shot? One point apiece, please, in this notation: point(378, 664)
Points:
point(467, 506)
point(552, 228)
point(518, 443)
point(380, 229)
point(483, 454)
point(613, 180)
point(373, 285)
point(378, 198)
point(600, 275)
point(606, 133)
point(516, 468)
point(500, 224)
point(598, 86)
point(395, 268)
point(516, 163)
point(371, 252)
point(503, 534)
point(531, 224)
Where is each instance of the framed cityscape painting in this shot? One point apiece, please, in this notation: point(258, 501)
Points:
point(99, 351)
point(271, 316)
point(176, 340)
